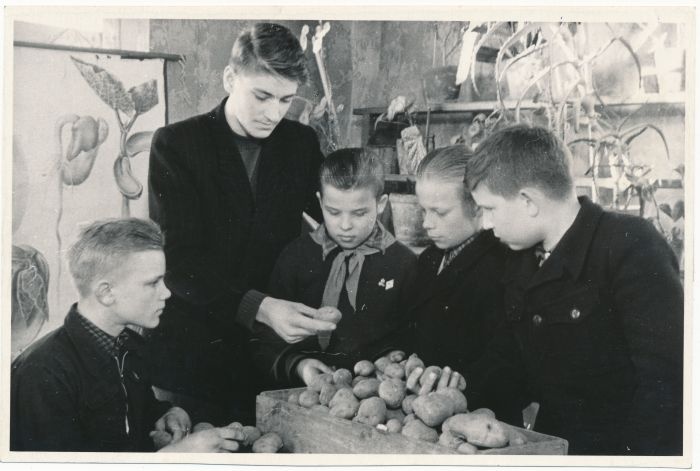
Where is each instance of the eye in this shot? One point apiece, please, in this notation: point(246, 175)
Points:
point(360, 213)
point(287, 100)
point(333, 212)
point(261, 97)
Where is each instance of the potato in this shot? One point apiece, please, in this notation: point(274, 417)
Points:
point(484, 411)
point(372, 412)
point(308, 398)
point(393, 391)
point(418, 430)
point(327, 392)
point(409, 418)
point(458, 399)
point(426, 373)
point(202, 426)
point(413, 362)
point(396, 356)
point(342, 376)
point(268, 443)
point(433, 408)
point(467, 449)
point(293, 398)
point(449, 441)
point(320, 408)
point(366, 388)
point(251, 434)
point(394, 370)
point(515, 437)
point(344, 404)
point(357, 379)
point(318, 381)
point(407, 404)
point(412, 381)
point(394, 426)
point(477, 429)
point(395, 414)
point(364, 368)
point(381, 363)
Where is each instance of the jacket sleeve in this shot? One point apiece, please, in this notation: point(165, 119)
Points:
point(174, 204)
point(44, 414)
point(648, 294)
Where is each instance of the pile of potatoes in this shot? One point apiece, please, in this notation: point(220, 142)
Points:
point(400, 395)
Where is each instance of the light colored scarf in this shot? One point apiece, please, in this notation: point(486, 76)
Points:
point(348, 274)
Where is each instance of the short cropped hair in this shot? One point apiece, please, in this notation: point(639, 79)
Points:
point(269, 48)
point(352, 168)
point(519, 156)
point(103, 245)
point(447, 164)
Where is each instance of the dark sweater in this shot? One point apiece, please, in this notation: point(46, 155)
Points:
point(300, 275)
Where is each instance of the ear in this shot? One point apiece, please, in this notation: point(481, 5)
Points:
point(531, 199)
point(381, 203)
point(228, 79)
point(103, 293)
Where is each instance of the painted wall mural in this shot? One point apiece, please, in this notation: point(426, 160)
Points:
point(82, 127)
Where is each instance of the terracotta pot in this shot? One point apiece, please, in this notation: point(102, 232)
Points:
point(439, 84)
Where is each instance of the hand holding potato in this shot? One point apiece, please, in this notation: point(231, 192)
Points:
point(213, 440)
point(309, 368)
point(176, 421)
point(293, 322)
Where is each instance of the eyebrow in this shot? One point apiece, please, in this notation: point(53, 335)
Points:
point(265, 92)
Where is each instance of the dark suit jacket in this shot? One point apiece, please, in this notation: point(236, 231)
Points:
point(599, 331)
point(66, 395)
point(456, 313)
point(221, 239)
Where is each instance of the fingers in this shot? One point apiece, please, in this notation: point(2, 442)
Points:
point(429, 383)
point(322, 366)
point(458, 381)
point(444, 378)
point(228, 445)
point(329, 314)
point(413, 378)
point(308, 325)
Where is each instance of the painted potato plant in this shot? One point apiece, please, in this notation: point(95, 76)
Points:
point(127, 105)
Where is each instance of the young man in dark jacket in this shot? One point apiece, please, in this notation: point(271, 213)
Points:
point(229, 188)
point(350, 262)
point(593, 300)
point(86, 386)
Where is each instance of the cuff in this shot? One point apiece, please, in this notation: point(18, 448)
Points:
point(248, 308)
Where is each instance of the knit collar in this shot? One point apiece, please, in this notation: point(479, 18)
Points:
point(106, 343)
point(379, 239)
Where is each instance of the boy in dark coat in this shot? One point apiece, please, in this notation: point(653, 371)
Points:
point(350, 262)
point(457, 302)
point(86, 386)
point(593, 300)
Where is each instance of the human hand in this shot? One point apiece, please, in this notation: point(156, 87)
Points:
point(294, 322)
point(176, 421)
point(424, 380)
point(309, 368)
point(212, 440)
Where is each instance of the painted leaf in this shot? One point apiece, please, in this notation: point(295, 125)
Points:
point(144, 96)
point(106, 85)
point(303, 37)
point(139, 142)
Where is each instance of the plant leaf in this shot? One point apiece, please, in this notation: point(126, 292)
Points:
point(541, 74)
point(144, 96)
point(107, 86)
point(128, 185)
point(304, 38)
point(139, 142)
point(635, 133)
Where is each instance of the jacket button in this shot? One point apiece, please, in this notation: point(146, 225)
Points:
point(446, 308)
point(575, 313)
point(537, 319)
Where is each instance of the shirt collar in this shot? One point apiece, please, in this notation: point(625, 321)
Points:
point(105, 342)
point(379, 239)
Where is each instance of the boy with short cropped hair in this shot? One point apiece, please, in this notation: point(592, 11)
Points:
point(350, 262)
point(593, 299)
point(86, 386)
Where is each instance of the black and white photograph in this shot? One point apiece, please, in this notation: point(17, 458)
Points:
point(326, 235)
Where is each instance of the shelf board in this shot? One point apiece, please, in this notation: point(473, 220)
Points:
point(479, 106)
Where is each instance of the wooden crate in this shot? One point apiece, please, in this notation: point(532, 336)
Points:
point(307, 431)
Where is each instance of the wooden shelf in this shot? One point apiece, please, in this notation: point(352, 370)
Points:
point(487, 106)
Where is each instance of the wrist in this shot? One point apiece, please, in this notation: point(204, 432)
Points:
point(263, 314)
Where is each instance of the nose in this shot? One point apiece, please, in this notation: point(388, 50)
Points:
point(486, 220)
point(275, 111)
point(428, 222)
point(345, 223)
point(165, 292)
